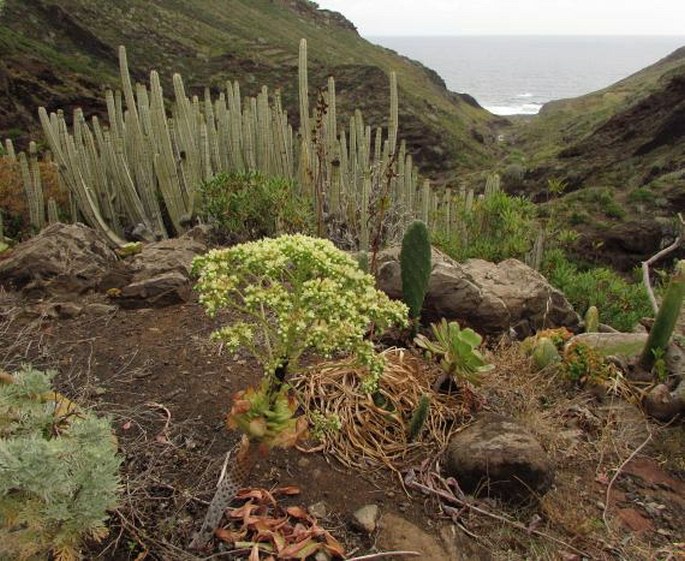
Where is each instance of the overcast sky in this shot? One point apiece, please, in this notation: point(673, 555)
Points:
point(509, 17)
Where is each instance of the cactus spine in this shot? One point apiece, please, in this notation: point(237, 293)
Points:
point(415, 264)
point(666, 317)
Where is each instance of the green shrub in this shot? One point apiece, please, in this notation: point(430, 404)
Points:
point(641, 195)
point(620, 303)
point(58, 471)
point(496, 228)
point(245, 206)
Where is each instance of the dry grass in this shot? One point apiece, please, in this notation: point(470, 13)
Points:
point(373, 435)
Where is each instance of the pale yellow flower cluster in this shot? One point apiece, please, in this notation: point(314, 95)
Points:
point(295, 293)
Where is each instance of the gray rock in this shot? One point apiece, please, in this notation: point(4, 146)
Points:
point(497, 456)
point(491, 298)
point(397, 534)
point(366, 518)
point(664, 405)
point(64, 258)
point(627, 346)
point(159, 275)
point(158, 291)
point(318, 510)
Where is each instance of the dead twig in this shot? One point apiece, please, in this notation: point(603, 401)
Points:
point(618, 472)
point(383, 554)
point(411, 481)
point(654, 258)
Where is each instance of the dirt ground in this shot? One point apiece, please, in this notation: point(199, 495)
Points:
point(167, 389)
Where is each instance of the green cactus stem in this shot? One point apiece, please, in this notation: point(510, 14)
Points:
point(418, 418)
point(415, 264)
point(666, 318)
point(544, 353)
point(592, 320)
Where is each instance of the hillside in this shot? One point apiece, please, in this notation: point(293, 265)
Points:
point(62, 54)
point(620, 155)
point(629, 134)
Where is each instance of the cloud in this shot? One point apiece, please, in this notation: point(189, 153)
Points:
point(553, 17)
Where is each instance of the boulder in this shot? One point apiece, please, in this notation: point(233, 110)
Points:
point(66, 258)
point(450, 544)
point(157, 276)
point(627, 346)
point(497, 456)
point(491, 298)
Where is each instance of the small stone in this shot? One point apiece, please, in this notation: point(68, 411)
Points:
point(600, 505)
point(366, 518)
point(322, 555)
point(318, 510)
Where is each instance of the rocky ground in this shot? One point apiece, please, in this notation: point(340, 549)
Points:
point(612, 483)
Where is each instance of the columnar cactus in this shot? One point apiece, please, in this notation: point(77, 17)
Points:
point(415, 263)
point(666, 318)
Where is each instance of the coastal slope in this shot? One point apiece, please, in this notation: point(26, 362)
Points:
point(62, 54)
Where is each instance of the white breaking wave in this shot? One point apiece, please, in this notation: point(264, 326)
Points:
point(519, 109)
point(525, 95)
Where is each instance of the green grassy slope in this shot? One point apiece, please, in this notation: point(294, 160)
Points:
point(61, 53)
point(615, 135)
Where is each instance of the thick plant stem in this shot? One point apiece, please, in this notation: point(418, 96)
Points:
point(666, 318)
point(241, 461)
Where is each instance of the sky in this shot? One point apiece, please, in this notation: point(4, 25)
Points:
point(510, 17)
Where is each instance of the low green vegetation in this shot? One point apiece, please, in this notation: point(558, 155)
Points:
point(58, 471)
point(620, 303)
point(494, 228)
point(244, 206)
point(456, 351)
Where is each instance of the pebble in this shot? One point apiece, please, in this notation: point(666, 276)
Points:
point(318, 510)
point(366, 518)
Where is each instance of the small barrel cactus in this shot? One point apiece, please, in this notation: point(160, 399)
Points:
point(544, 353)
point(592, 320)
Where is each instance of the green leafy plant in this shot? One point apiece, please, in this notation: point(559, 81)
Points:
point(456, 350)
point(295, 293)
point(622, 303)
point(285, 296)
point(244, 206)
point(581, 364)
point(58, 471)
point(494, 228)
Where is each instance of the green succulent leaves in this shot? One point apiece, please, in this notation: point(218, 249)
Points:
point(456, 350)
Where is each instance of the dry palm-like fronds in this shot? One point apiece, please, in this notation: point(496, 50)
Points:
point(374, 429)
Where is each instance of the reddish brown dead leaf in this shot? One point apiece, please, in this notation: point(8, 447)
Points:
point(230, 536)
point(287, 490)
point(298, 512)
point(127, 425)
point(333, 546)
point(254, 554)
point(301, 550)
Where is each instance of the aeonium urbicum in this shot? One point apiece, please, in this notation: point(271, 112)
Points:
point(295, 293)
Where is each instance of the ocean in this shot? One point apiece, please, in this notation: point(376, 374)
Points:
point(518, 74)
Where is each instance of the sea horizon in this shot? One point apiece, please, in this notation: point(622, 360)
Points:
point(517, 74)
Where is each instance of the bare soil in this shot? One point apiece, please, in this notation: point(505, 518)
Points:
point(167, 389)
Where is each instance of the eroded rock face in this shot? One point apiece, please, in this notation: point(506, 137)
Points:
point(497, 456)
point(65, 258)
point(491, 298)
point(160, 274)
